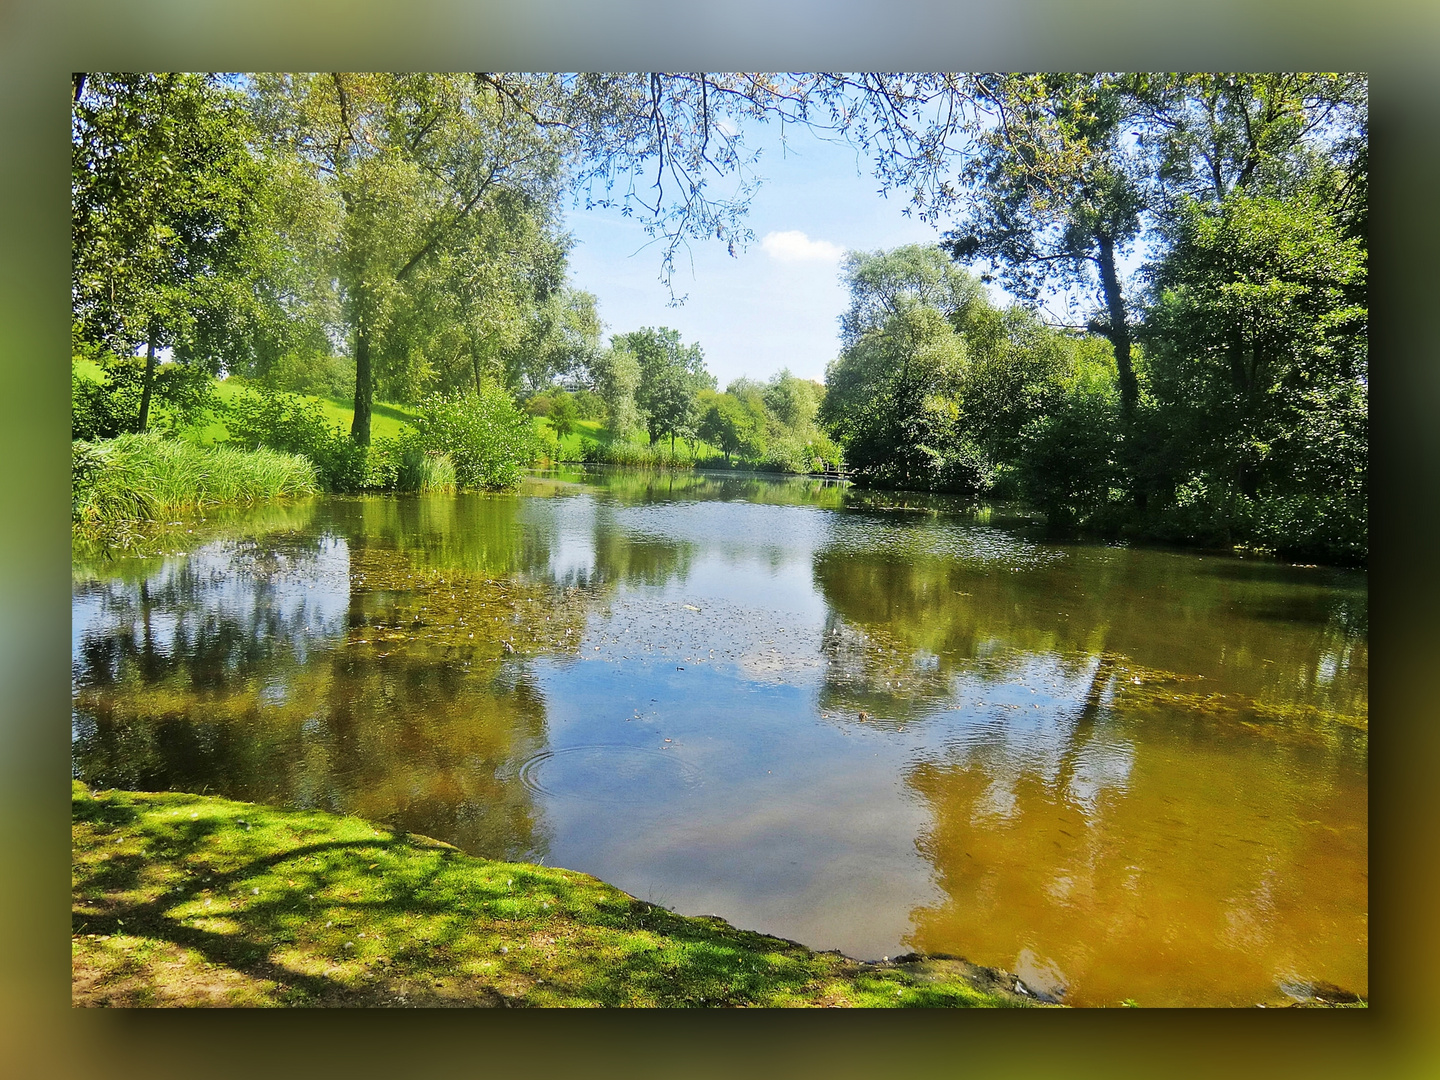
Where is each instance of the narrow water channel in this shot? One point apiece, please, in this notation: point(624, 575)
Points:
point(867, 724)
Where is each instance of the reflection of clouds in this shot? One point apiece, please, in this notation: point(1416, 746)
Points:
point(1249, 919)
point(998, 800)
point(1101, 764)
point(568, 524)
point(233, 591)
point(782, 533)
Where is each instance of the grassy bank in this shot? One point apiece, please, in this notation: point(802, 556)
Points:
point(187, 900)
point(145, 477)
point(387, 420)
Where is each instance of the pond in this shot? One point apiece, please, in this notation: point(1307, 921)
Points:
point(866, 723)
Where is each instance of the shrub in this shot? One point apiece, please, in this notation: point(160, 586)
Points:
point(295, 425)
point(487, 437)
point(1069, 459)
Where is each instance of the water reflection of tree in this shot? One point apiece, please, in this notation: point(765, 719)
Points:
point(1187, 861)
point(1124, 825)
point(633, 487)
point(405, 700)
point(1166, 615)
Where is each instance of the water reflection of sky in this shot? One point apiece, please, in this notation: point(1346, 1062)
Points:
point(296, 595)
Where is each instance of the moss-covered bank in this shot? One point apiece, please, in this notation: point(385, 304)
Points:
point(186, 900)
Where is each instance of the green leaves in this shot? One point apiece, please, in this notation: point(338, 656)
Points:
point(1257, 329)
point(671, 374)
point(487, 437)
point(163, 192)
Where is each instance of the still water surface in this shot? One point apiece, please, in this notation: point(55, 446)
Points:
point(873, 725)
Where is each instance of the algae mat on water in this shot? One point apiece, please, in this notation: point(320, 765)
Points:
point(186, 900)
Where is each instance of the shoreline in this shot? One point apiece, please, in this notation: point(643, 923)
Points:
point(189, 900)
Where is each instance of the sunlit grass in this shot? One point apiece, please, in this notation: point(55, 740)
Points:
point(143, 477)
point(185, 900)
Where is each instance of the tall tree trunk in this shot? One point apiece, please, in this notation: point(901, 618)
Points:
point(475, 363)
point(149, 383)
point(1118, 330)
point(364, 387)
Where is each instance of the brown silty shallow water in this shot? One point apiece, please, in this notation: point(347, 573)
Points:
point(849, 721)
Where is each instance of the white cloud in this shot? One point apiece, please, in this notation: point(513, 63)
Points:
point(795, 246)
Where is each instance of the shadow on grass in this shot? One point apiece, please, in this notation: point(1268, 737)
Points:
point(328, 911)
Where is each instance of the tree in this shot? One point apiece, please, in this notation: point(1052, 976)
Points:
point(891, 404)
point(883, 284)
point(734, 422)
point(561, 340)
point(563, 414)
point(164, 190)
point(615, 377)
point(1055, 194)
point(671, 375)
point(415, 162)
point(1257, 324)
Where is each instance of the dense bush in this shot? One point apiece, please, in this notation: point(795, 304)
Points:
point(488, 438)
point(104, 407)
point(1069, 458)
point(296, 425)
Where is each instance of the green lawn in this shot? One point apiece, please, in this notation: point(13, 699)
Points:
point(188, 900)
point(387, 421)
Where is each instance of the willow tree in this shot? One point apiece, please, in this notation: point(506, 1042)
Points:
point(413, 164)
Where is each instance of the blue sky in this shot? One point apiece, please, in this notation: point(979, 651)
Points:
point(774, 305)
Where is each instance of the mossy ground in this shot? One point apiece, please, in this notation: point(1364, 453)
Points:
point(181, 899)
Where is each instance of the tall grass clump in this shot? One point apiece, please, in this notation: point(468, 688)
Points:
point(418, 469)
point(142, 476)
point(639, 456)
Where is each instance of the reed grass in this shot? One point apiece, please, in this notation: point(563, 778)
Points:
point(639, 456)
point(143, 477)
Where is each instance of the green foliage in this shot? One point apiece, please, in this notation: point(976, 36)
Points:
point(488, 439)
point(563, 413)
point(164, 190)
point(891, 402)
point(109, 405)
point(441, 198)
point(615, 374)
point(733, 422)
point(296, 425)
point(1068, 461)
point(1259, 372)
point(671, 375)
point(883, 284)
point(319, 375)
point(589, 405)
point(639, 455)
point(142, 476)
